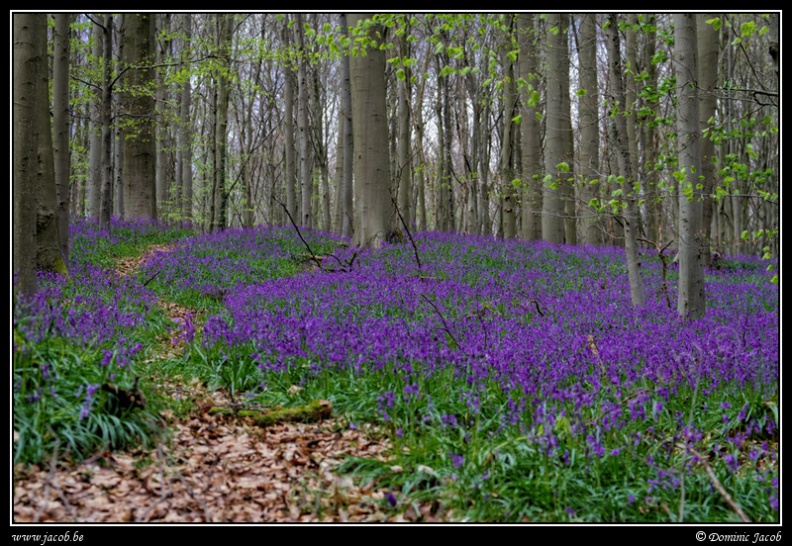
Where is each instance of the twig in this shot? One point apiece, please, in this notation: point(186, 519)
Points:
point(409, 235)
point(310, 251)
point(154, 276)
point(538, 309)
point(448, 331)
point(722, 490)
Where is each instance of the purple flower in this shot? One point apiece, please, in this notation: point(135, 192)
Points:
point(390, 498)
point(457, 460)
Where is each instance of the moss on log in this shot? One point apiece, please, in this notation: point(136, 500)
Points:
point(315, 411)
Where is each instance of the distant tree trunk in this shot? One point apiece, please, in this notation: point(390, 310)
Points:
point(588, 107)
point(531, 202)
point(707, 80)
point(94, 188)
point(62, 123)
point(621, 151)
point(29, 66)
point(163, 45)
point(106, 208)
point(654, 206)
point(484, 160)
point(370, 130)
point(288, 126)
point(404, 149)
point(691, 302)
point(509, 201)
point(302, 123)
point(346, 103)
point(138, 102)
point(421, 219)
point(321, 152)
point(567, 178)
point(184, 133)
point(225, 29)
point(118, 133)
point(555, 145)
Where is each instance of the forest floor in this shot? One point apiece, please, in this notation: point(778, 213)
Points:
point(214, 468)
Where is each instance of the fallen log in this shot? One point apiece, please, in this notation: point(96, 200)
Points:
point(308, 413)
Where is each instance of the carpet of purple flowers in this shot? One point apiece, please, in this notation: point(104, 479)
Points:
point(515, 379)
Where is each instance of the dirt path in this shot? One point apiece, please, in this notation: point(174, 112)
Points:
point(215, 469)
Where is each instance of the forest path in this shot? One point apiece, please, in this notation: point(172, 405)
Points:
point(215, 468)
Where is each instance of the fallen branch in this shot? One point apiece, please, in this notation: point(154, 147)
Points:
point(439, 314)
point(346, 265)
point(309, 413)
point(409, 235)
point(722, 490)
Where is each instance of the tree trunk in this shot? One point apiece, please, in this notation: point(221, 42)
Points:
point(404, 167)
point(588, 107)
point(567, 178)
point(94, 188)
point(691, 302)
point(29, 65)
point(707, 81)
point(138, 102)
point(509, 201)
point(106, 208)
point(302, 122)
point(163, 45)
point(62, 122)
point(555, 137)
point(621, 151)
point(118, 133)
point(225, 29)
point(288, 126)
point(346, 103)
point(184, 133)
point(531, 202)
point(370, 130)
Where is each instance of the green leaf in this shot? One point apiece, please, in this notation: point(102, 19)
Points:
point(716, 23)
point(400, 74)
point(563, 167)
point(516, 183)
point(594, 203)
point(581, 92)
point(517, 119)
point(747, 29)
point(533, 100)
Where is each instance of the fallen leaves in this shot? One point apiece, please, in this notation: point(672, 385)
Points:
point(216, 469)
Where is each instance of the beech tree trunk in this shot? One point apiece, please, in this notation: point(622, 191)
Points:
point(690, 302)
point(138, 103)
point(62, 122)
point(370, 131)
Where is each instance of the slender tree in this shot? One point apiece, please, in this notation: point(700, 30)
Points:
point(61, 122)
point(691, 302)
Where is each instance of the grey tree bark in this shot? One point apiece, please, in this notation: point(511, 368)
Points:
point(508, 191)
point(29, 64)
point(138, 104)
point(690, 302)
point(370, 130)
point(588, 107)
point(404, 167)
point(184, 132)
point(555, 137)
point(94, 188)
point(302, 123)
point(707, 81)
point(106, 205)
point(163, 44)
point(621, 150)
point(62, 122)
point(348, 214)
point(288, 124)
point(531, 200)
